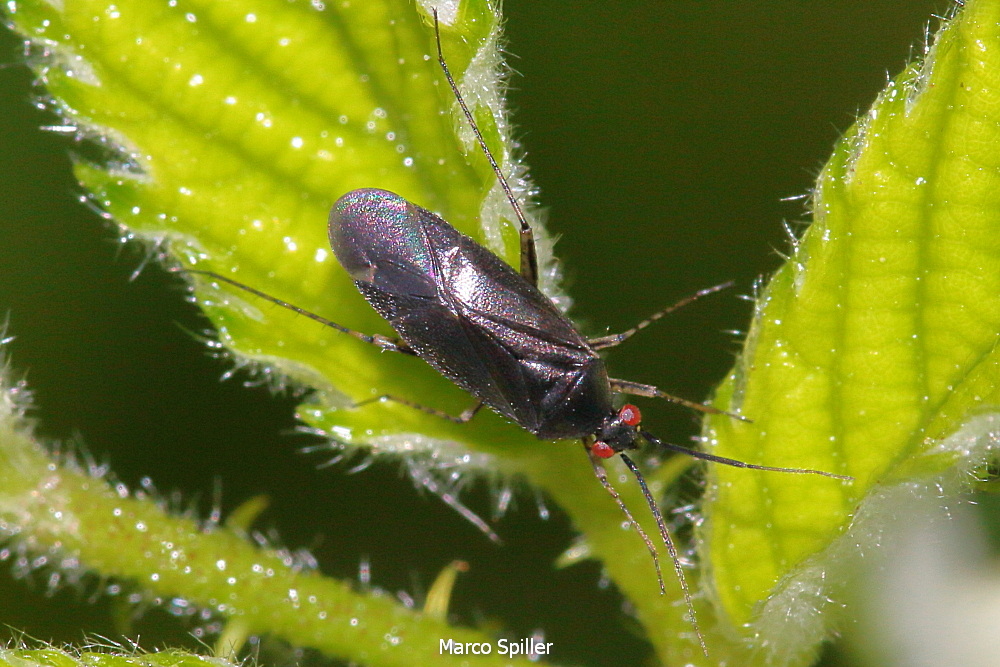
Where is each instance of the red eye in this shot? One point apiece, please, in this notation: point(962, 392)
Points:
point(602, 450)
point(630, 415)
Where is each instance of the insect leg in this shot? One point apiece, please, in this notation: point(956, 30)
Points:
point(529, 255)
point(612, 340)
point(466, 415)
point(383, 342)
point(649, 391)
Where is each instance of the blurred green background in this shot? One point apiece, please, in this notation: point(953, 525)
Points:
point(663, 137)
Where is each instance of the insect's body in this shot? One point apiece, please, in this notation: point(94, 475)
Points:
point(471, 316)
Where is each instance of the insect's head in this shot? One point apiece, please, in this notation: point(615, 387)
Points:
point(618, 432)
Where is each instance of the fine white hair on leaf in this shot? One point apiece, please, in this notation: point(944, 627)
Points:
point(794, 618)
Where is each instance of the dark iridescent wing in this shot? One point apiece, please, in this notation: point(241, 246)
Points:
point(462, 309)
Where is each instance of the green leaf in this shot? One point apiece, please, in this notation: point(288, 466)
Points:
point(873, 344)
point(238, 125)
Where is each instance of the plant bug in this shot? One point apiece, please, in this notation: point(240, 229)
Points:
point(491, 331)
